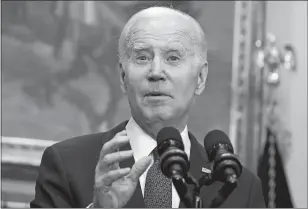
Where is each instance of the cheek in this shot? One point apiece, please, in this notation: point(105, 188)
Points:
point(186, 82)
point(134, 78)
point(186, 88)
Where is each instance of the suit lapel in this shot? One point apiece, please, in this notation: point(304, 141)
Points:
point(198, 160)
point(136, 201)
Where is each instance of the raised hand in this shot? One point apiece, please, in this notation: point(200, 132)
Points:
point(114, 186)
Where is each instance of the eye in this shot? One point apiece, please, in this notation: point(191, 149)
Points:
point(173, 58)
point(142, 58)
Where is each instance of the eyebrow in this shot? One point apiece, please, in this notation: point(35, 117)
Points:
point(177, 48)
point(140, 47)
point(168, 48)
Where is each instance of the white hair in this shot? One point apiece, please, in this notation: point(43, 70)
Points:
point(199, 38)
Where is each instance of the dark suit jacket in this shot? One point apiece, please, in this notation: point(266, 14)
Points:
point(66, 175)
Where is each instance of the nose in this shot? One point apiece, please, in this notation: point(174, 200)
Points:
point(156, 72)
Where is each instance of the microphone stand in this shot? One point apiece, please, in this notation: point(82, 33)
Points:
point(189, 196)
point(223, 193)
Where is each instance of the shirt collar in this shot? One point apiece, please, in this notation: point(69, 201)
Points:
point(142, 144)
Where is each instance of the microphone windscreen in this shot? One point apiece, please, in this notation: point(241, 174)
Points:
point(214, 138)
point(167, 133)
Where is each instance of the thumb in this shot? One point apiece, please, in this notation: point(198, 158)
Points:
point(139, 168)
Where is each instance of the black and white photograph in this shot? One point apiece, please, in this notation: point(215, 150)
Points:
point(153, 104)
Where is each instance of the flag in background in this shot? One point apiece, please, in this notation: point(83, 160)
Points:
point(272, 174)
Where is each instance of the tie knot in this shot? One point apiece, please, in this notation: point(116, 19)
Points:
point(155, 154)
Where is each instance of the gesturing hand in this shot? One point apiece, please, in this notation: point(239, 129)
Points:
point(114, 186)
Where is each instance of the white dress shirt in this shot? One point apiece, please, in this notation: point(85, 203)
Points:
point(142, 145)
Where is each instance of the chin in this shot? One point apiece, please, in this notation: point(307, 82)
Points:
point(159, 114)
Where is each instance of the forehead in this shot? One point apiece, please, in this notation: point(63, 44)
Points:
point(161, 32)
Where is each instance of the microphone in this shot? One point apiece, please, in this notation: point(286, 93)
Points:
point(175, 165)
point(226, 166)
point(173, 160)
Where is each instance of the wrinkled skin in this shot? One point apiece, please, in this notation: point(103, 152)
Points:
point(161, 56)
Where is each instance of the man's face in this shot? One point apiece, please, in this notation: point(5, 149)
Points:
point(161, 73)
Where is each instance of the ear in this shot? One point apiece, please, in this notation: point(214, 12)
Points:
point(122, 78)
point(202, 75)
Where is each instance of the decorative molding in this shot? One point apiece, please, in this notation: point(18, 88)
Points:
point(23, 151)
point(13, 204)
point(240, 77)
point(247, 81)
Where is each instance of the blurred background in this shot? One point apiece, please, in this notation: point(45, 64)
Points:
point(59, 79)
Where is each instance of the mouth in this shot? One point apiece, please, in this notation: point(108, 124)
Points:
point(157, 94)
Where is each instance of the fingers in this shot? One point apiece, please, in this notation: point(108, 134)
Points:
point(110, 161)
point(115, 143)
point(139, 168)
point(109, 156)
point(107, 179)
point(118, 156)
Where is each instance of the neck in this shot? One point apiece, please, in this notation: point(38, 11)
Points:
point(153, 127)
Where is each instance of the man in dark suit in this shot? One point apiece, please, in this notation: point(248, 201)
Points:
point(163, 66)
